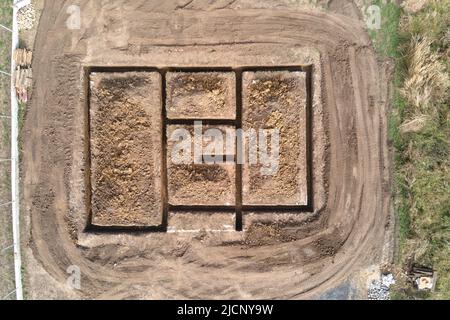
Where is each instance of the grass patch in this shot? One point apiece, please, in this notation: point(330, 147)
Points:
point(419, 44)
point(386, 39)
point(22, 108)
point(6, 257)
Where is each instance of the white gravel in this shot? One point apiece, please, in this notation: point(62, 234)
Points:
point(26, 17)
point(379, 289)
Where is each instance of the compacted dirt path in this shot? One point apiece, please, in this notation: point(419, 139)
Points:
point(346, 230)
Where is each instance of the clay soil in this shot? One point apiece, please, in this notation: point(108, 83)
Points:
point(279, 254)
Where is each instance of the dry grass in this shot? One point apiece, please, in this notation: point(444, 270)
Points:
point(424, 153)
point(418, 39)
point(427, 82)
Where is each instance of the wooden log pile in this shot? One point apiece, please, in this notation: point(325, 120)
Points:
point(23, 79)
point(23, 57)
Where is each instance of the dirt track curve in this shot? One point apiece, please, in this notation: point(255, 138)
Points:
point(344, 233)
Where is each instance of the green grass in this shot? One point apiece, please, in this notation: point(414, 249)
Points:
point(21, 119)
point(422, 159)
point(5, 36)
point(386, 40)
point(432, 22)
point(5, 64)
point(6, 268)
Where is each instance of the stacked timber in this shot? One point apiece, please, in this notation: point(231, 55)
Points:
point(23, 73)
point(23, 57)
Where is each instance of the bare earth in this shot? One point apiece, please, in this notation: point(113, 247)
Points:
point(277, 100)
point(125, 165)
point(279, 255)
point(201, 95)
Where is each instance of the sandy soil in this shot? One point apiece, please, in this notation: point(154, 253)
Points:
point(279, 255)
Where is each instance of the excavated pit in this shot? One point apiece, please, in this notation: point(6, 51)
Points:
point(245, 171)
point(125, 149)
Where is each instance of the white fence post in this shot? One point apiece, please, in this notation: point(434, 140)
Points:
point(15, 205)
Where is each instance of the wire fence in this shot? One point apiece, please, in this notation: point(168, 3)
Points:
point(10, 257)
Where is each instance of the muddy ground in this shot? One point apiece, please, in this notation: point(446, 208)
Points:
point(279, 254)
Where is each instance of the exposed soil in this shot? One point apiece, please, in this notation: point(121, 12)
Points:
point(277, 101)
point(201, 223)
point(201, 184)
point(201, 95)
point(216, 141)
point(125, 150)
point(318, 250)
point(261, 234)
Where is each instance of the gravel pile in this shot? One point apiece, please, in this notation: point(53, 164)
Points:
point(26, 17)
point(379, 289)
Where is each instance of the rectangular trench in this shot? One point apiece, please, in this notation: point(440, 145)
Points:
point(159, 213)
